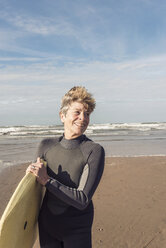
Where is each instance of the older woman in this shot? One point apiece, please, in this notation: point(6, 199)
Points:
point(75, 166)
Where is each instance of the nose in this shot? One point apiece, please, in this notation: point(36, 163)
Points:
point(83, 116)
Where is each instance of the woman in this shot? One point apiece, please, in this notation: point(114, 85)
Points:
point(74, 168)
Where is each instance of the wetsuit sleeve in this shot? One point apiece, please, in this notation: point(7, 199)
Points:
point(90, 178)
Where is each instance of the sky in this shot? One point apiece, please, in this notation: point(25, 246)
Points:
point(116, 49)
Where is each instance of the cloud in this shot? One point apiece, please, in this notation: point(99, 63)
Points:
point(102, 30)
point(17, 59)
point(115, 48)
point(41, 25)
point(53, 66)
point(136, 79)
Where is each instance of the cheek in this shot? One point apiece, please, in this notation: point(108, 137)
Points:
point(88, 119)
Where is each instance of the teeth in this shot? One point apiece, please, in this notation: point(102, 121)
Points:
point(80, 125)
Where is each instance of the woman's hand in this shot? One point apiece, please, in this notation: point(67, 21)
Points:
point(39, 170)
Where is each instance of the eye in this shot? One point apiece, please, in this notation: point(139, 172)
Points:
point(77, 112)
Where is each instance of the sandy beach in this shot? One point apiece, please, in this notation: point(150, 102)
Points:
point(130, 202)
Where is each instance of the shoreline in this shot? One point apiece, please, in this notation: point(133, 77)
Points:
point(129, 202)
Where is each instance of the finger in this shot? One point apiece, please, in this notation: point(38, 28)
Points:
point(29, 170)
point(33, 167)
point(37, 165)
point(38, 160)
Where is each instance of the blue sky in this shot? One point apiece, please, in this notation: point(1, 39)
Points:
point(116, 49)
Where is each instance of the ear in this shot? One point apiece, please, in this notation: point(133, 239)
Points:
point(62, 117)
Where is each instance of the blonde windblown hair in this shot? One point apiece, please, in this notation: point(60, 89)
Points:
point(77, 94)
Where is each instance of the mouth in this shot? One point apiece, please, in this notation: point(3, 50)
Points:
point(80, 124)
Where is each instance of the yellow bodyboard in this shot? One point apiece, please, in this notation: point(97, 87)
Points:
point(18, 225)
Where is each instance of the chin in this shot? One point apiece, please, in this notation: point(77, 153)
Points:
point(79, 133)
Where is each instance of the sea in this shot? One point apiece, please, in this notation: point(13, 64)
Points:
point(18, 144)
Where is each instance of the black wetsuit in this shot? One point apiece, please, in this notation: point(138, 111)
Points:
point(75, 168)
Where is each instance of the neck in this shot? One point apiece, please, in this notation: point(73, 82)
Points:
point(68, 137)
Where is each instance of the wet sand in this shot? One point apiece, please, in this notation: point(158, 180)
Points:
point(130, 202)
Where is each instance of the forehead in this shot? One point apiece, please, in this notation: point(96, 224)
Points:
point(78, 106)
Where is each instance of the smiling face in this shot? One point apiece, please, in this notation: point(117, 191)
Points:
point(75, 121)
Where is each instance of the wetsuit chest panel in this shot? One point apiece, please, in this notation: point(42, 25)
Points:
point(65, 165)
